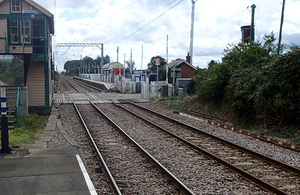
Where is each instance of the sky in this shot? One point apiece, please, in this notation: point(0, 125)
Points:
point(142, 26)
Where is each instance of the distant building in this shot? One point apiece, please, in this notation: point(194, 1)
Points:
point(110, 70)
point(187, 70)
point(27, 28)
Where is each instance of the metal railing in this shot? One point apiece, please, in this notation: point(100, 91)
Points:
point(31, 45)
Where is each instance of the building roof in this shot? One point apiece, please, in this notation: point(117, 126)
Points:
point(179, 62)
point(43, 10)
point(112, 65)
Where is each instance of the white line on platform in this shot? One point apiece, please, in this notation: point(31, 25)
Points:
point(86, 176)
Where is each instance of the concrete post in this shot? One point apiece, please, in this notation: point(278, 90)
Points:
point(23, 107)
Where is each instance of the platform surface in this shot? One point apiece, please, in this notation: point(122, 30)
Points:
point(36, 169)
point(44, 171)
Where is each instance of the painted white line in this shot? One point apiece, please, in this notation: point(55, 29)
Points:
point(86, 176)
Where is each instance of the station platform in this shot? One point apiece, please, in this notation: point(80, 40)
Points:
point(36, 169)
point(101, 84)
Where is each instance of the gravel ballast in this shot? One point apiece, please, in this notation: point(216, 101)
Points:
point(209, 177)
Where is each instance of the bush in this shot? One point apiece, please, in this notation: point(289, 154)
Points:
point(210, 83)
point(258, 82)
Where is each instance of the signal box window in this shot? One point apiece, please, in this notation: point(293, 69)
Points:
point(26, 30)
point(14, 31)
point(15, 6)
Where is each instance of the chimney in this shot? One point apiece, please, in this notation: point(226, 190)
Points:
point(188, 58)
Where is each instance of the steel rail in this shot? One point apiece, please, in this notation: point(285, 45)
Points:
point(245, 174)
point(182, 187)
point(112, 181)
point(285, 166)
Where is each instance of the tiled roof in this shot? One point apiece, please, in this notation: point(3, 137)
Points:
point(112, 65)
point(43, 10)
point(178, 62)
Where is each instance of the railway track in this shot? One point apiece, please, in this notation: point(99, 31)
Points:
point(269, 174)
point(128, 171)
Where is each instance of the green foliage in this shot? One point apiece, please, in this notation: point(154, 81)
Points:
point(12, 72)
point(106, 60)
point(268, 92)
point(27, 130)
point(210, 83)
point(151, 65)
point(259, 82)
point(162, 73)
point(72, 67)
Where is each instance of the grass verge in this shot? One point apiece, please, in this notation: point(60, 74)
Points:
point(27, 130)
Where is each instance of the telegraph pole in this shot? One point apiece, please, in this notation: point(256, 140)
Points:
point(131, 61)
point(117, 53)
point(281, 23)
point(192, 30)
point(167, 52)
point(142, 62)
point(252, 22)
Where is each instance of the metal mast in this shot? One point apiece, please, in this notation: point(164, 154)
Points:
point(281, 23)
point(252, 22)
point(192, 30)
point(99, 45)
point(130, 61)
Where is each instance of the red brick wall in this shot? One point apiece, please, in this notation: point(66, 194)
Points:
point(187, 71)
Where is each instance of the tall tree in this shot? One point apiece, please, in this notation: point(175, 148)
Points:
point(106, 60)
point(127, 64)
point(151, 65)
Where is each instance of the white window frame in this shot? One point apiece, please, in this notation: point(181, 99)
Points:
point(13, 35)
point(15, 6)
point(26, 26)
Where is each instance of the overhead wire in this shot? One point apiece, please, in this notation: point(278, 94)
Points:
point(80, 51)
point(86, 11)
point(90, 23)
point(149, 22)
point(115, 26)
point(92, 17)
point(140, 21)
point(66, 51)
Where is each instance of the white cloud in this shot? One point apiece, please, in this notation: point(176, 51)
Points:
point(217, 23)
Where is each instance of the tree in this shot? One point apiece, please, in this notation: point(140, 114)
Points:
point(268, 92)
point(88, 61)
point(255, 81)
point(72, 66)
point(127, 66)
point(151, 65)
point(106, 60)
point(12, 71)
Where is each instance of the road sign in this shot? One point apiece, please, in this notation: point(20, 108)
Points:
point(157, 61)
